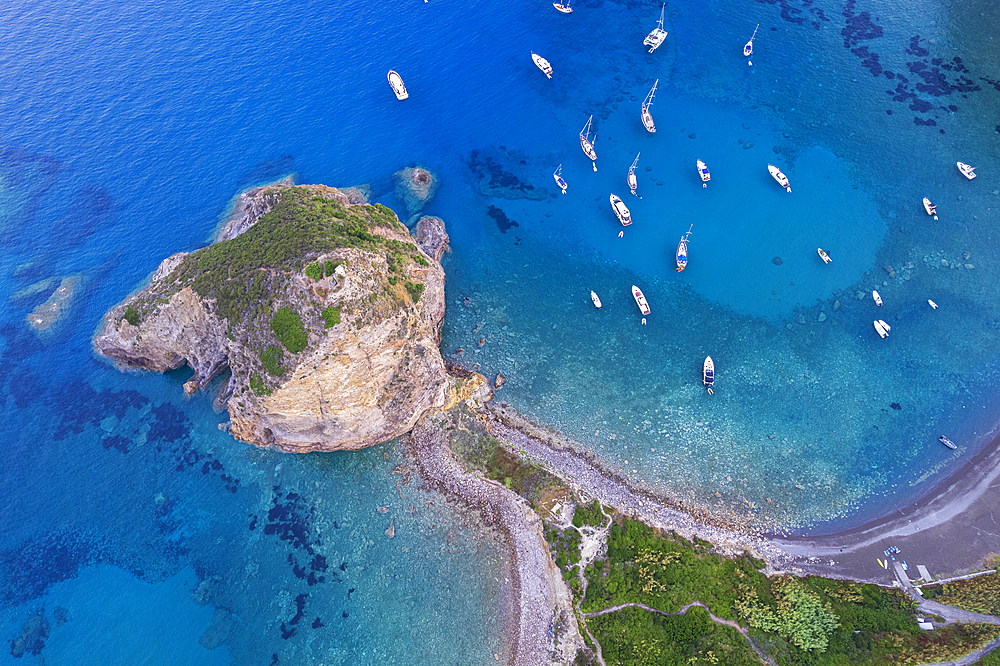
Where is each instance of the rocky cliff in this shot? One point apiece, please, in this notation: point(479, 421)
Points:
point(327, 313)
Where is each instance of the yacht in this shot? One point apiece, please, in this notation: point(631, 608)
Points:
point(703, 172)
point(967, 171)
point(647, 117)
point(655, 38)
point(640, 300)
point(587, 144)
point(778, 176)
point(542, 64)
point(396, 81)
point(621, 210)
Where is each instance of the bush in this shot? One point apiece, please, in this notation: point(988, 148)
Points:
point(330, 267)
point(331, 316)
point(314, 270)
point(415, 289)
point(271, 359)
point(288, 328)
point(258, 386)
point(131, 315)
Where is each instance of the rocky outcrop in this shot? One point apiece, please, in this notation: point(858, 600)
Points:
point(415, 187)
point(353, 360)
point(45, 319)
point(431, 236)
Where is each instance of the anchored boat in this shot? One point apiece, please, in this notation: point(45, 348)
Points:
point(640, 300)
point(542, 64)
point(932, 304)
point(947, 442)
point(930, 208)
point(632, 181)
point(621, 210)
point(647, 117)
point(882, 328)
point(823, 255)
point(708, 373)
point(557, 175)
point(778, 176)
point(396, 82)
point(565, 9)
point(587, 144)
point(703, 172)
point(655, 38)
point(682, 251)
point(595, 299)
point(748, 48)
point(876, 298)
point(967, 171)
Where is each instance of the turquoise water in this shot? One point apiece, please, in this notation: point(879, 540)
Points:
point(129, 128)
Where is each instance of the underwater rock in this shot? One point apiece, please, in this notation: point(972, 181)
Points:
point(415, 187)
point(748, 145)
point(777, 261)
point(61, 615)
point(504, 174)
point(48, 284)
point(202, 594)
point(218, 633)
point(500, 381)
point(801, 319)
point(391, 532)
point(431, 236)
point(822, 316)
point(45, 318)
point(34, 632)
point(836, 305)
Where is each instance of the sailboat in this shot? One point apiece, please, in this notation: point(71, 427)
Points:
point(622, 212)
point(930, 208)
point(396, 82)
point(748, 48)
point(708, 373)
point(632, 181)
point(586, 144)
point(647, 117)
point(655, 38)
point(703, 172)
point(682, 251)
point(565, 9)
point(542, 64)
point(557, 174)
point(778, 176)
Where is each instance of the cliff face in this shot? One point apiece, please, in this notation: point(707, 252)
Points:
point(327, 313)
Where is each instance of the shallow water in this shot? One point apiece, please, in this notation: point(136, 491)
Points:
point(128, 129)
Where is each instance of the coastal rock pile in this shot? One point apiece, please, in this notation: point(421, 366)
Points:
point(327, 313)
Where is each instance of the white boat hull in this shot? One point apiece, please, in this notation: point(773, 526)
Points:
point(640, 300)
point(542, 64)
point(595, 300)
point(778, 176)
point(708, 372)
point(703, 172)
point(880, 329)
point(622, 212)
point(396, 83)
point(823, 255)
point(876, 298)
point(966, 170)
point(565, 9)
point(932, 304)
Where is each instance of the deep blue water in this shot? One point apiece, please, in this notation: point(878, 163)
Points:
point(127, 129)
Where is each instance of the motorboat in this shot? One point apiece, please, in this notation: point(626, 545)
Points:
point(587, 144)
point(748, 47)
point(557, 175)
point(823, 255)
point(621, 210)
point(647, 117)
point(542, 64)
point(633, 182)
point(640, 300)
point(708, 373)
point(880, 328)
point(947, 442)
point(682, 251)
point(655, 38)
point(932, 304)
point(930, 208)
point(885, 325)
point(703, 172)
point(778, 176)
point(966, 170)
point(876, 298)
point(565, 9)
point(595, 299)
point(396, 82)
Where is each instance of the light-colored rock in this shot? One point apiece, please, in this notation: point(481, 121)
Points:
point(822, 316)
point(391, 532)
point(48, 284)
point(431, 237)
point(44, 320)
point(415, 187)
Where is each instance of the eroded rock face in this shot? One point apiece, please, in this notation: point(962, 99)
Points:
point(367, 365)
point(431, 236)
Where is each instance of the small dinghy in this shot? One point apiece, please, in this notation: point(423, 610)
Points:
point(882, 328)
point(947, 442)
point(748, 47)
point(564, 9)
point(622, 212)
point(542, 64)
point(633, 182)
point(876, 298)
point(682, 251)
point(587, 144)
point(703, 172)
point(930, 208)
point(708, 373)
point(640, 300)
point(557, 175)
point(396, 82)
point(655, 38)
point(966, 170)
point(932, 304)
point(778, 176)
point(647, 117)
point(823, 255)
point(595, 300)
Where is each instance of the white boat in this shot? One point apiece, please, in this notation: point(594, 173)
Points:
point(595, 299)
point(557, 175)
point(703, 172)
point(930, 208)
point(880, 328)
point(823, 255)
point(647, 117)
point(542, 64)
point(778, 176)
point(396, 81)
point(633, 182)
point(967, 171)
point(655, 38)
point(932, 304)
point(876, 298)
point(748, 48)
point(621, 210)
point(682, 251)
point(708, 373)
point(640, 300)
point(587, 144)
point(947, 442)
point(565, 9)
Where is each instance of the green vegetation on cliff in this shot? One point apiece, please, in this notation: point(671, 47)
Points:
point(289, 330)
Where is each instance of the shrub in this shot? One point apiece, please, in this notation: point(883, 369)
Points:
point(272, 360)
point(330, 267)
point(314, 270)
point(331, 316)
point(258, 386)
point(288, 328)
point(415, 289)
point(131, 315)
